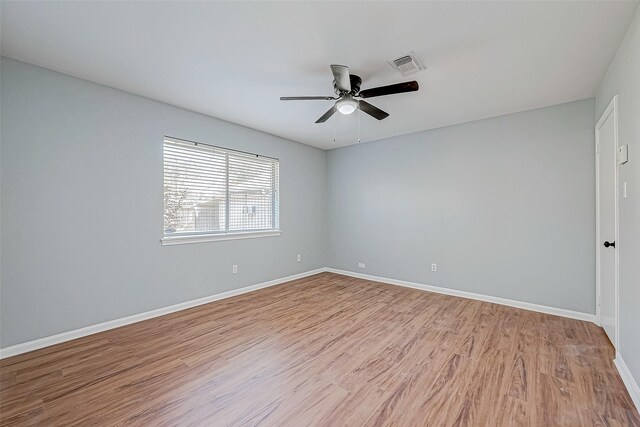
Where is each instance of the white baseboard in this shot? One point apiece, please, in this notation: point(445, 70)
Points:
point(116, 323)
point(629, 381)
point(480, 297)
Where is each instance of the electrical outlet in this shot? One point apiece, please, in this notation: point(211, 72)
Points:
point(434, 267)
point(235, 268)
point(361, 265)
point(299, 258)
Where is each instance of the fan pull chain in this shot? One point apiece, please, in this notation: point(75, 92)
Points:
point(358, 126)
point(334, 128)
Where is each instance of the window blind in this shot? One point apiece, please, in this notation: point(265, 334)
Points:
point(213, 190)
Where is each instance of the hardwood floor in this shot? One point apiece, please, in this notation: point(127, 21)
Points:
point(326, 350)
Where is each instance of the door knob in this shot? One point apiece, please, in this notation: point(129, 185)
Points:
point(607, 244)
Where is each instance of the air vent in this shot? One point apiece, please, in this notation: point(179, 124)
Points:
point(407, 64)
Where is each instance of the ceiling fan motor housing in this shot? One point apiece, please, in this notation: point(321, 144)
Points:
point(355, 85)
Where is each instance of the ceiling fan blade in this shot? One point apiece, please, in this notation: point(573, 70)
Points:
point(372, 110)
point(341, 77)
point(390, 90)
point(326, 115)
point(306, 98)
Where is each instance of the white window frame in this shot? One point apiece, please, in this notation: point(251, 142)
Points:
point(197, 237)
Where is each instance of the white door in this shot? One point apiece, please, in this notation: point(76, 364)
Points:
point(606, 167)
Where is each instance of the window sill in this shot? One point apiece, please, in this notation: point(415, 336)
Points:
point(201, 238)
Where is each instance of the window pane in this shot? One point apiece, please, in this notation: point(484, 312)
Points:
point(251, 193)
point(212, 190)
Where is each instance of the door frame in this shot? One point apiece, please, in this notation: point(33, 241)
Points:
point(612, 108)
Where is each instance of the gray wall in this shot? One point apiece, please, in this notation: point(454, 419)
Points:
point(504, 206)
point(623, 78)
point(82, 207)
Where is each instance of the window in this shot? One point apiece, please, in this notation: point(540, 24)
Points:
point(212, 193)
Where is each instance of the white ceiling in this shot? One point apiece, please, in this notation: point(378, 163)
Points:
point(233, 60)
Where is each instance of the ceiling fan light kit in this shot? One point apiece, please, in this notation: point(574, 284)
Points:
point(347, 105)
point(350, 98)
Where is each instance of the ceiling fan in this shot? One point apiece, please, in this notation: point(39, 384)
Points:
point(349, 99)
